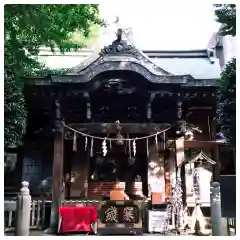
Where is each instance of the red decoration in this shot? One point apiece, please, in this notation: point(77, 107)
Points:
point(76, 219)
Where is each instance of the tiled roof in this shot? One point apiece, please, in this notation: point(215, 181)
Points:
point(198, 68)
point(193, 62)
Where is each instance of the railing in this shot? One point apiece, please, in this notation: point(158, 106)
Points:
point(10, 215)
point(38, 209)
point(38, 212)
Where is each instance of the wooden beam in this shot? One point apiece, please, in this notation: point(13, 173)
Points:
point(200, 144)
point(104, 128)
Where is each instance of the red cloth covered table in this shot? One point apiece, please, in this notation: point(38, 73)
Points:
point(76, 219)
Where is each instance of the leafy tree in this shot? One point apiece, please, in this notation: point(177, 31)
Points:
point(14, 113)
point(27, 28)
point(226, 14)
point(227, 102)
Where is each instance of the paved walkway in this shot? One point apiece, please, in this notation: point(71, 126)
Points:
point(41, 233)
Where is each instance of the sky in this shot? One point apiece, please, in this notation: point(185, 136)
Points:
point(163, 25)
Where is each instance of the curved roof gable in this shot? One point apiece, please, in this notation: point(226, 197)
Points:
point(122, 52)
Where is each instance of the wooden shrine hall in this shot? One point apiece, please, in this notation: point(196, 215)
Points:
point(117, 117)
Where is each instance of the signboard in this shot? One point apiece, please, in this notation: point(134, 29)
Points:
point(156, 221)
point(120, 217)
point(228, 195)
point(119, 214)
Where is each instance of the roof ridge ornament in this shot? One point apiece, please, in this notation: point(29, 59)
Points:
point(119, 46)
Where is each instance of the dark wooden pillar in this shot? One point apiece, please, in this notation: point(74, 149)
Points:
point(168, 175)
point(214, 151)
point(183, 177)
point(181, 124)
point(57, 182)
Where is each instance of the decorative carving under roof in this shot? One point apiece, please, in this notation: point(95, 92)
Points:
point(202, 157)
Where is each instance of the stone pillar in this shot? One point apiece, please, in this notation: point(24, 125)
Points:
point(23, 211)
point(219, 225)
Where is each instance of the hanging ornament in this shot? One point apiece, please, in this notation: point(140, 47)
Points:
point(75, 142)
point(125, 147)
point(156, 141)
point(110, 144)
point(104, 147)
point(129, 148)
point(86, 142)
point(164, 140)
point(134, 147)
point(147, 147)
point(91, 149)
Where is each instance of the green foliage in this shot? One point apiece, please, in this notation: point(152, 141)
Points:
point(226, 14)
point(14, 112)
point(226, 109)
point(27, 28)
point(227, 102)
point(90, 41)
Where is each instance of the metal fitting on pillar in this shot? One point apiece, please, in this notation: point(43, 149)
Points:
point(181, 128)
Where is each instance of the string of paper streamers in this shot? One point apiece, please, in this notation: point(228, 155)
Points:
point(104, 147)
point(134, 147)
point(75, 142)
point(116, 139)
point(86, 142)
point(91, 150)
point(156, 141)
point(104, 143)
point(147, 148)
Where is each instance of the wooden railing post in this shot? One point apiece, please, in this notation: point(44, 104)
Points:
point(23, 211)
